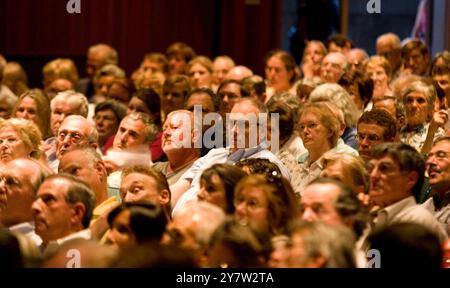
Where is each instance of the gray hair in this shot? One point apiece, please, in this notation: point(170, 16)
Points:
point(72, 98)
point(339, 96)
point(92, 136)
point(208, 218)
point(112, 57)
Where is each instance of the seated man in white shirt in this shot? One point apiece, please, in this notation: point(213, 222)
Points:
point(62, 210)
point(19, 181)
point(396, 176)
point(188, 185)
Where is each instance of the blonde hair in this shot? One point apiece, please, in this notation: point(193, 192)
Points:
point(202, 60)
point(60, 68)
point(379, 61)
point(28, 132)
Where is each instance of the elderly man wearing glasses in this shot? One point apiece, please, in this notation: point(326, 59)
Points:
point(75, 132)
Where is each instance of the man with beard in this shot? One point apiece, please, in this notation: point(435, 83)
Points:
point(421, 123)
point(438, 169)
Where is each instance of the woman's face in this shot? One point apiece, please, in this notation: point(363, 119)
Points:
point(27, 109)
point(11, 145)
point(313, 54)
point(137, 105)
point(121, 236)
point(378, 75)
point(213, 191)
point(106, 123)
point(312, 132)
point(251, 206)
point(199, 76)
point(277, 75)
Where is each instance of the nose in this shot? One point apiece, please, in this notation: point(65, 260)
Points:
point(309, 215)
point(111, 238)
point(241, 209)
point(36, 207)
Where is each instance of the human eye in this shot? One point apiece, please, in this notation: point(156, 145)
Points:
point(48, 199)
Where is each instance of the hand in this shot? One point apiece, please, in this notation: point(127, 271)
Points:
point(440, 118)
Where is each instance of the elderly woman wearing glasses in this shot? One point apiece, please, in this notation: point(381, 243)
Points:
point(319, 129)
point(19, 138)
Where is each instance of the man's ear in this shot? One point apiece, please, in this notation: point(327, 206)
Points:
point(164, 197)
point(79, 210)
point(94, 145)
point(100, 169)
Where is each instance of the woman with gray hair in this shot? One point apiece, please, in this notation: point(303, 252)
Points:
point(319, 130)
point(339, 96)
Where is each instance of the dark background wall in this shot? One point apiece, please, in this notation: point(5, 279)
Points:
point(34, 32)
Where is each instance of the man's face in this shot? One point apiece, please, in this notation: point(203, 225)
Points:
point(384, 48)
point(176, 129)
point(332, 68)
point(369, 135)
point(131, 134)
point(317, 203)
point(77, 164)
point(53, 216)
point(229, 95)
point(172, 99)
point(220, 69)
point(106, 123)
point(140, 187)
point(61, 111)
point(72, 134)
point(152, 66)
point(103, 85)
point(438, 166)
point(417, 108)
point(119, 93)
point(199, 76)
point(416, 62)
point(245, 124)
point(388, 184)
point(201, 99)
point(177, 64)
point(95, 61)
point(277, 75)
point(17, 191)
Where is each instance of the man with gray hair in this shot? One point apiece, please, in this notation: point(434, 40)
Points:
point(193, 227)
point(97, 56)
point(333, 66)
point(62, 105)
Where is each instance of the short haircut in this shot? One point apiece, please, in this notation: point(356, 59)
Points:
point(160, 180)
point(111, 57)
point(72, 98)
point(253, 83)
point(334, 243)
point(158, 58)
point(364, 84)
point(407, 158)
point(151, 128)
point(177, 81)
point(119, 109)
point(215, 99)
point(348, 206)
point(182, 49)
point(413, 45)
point(383, 119)
point(78, 191)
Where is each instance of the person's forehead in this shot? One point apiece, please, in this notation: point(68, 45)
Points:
point(69, 157)
point(75, 125)
point(370, 128)
point(138, 177)
point(21, 167)
point(233, 87)
point(386, 159)
point(246, 109)
point(66, 105)
point(54, 186)
point(443, 145)
point(130, 123)
point(179, 118)
point(320, 192)
point(8, 130)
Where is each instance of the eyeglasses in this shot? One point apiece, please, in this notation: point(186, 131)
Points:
point(74, 136)
point(310, 126)
point(370, 137)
